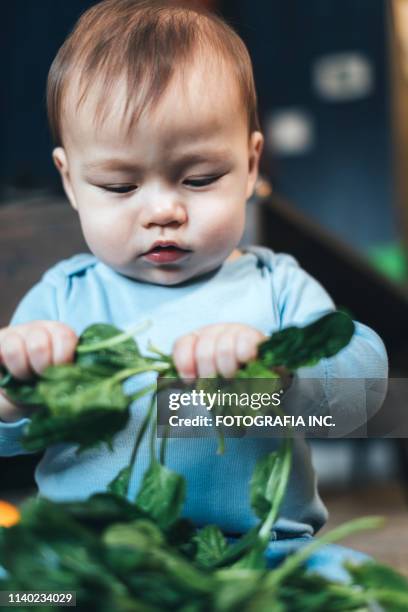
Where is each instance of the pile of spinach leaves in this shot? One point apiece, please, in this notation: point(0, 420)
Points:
point(138, 554)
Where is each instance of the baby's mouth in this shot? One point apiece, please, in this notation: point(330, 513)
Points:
point(165, 253)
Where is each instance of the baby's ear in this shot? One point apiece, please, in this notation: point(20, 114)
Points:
point(61, 163)
point(256, 143)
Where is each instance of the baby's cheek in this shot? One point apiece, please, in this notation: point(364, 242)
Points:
point(106, 236)
point(224, 228)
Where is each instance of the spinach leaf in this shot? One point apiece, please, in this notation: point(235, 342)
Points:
point(88, 429)
point(118, 355)
point(256, 369)
point(161, 494)
point(309, 592)
point(265, 482)
point(295, 347)
point(119, 485)
point(101, 510)
point(386, 586)
point(372, 574)
point(142, 544)
point(211, 546)
point(49, 550)
point(238, 549)
point(180, 535)
point(236, 590)
point(71, 389)
point(21, 391)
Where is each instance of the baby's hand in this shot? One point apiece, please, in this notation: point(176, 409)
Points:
point(27, 349)
point(216, 349)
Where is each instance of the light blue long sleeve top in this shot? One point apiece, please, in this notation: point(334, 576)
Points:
point(261, 288)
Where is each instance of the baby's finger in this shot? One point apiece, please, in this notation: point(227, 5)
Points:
point(183, 356)
point(247, 345)
point(38, 345)
point(64, 341)
point(14, 356)
point(225, 354)
point(205, 355)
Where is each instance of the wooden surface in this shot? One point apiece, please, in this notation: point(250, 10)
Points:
point(34, 235)
point(388, 544)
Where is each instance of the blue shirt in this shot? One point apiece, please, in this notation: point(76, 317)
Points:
point(261, 288)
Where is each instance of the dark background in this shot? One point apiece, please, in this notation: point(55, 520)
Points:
point(344, 181)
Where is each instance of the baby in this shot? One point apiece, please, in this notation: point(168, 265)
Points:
point(152, 106)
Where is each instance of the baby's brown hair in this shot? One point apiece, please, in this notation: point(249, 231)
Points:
point(144, 40)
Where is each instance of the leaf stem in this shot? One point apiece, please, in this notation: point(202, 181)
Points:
point(296, 559)
point(163, 445)
point(126, 373)
point(221, 442)
point(6, 377)
point(114, 340)
point(154, 349)
point(143, 426)
point(266, 527)
point(153, 458)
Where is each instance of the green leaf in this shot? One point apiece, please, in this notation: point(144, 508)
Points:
point(235, 591)
point(79, 405)
point(5, 377)
point(297, 559)
point(211, 546)
point(87, 430)
point(238, 549)
point(295, 347)
point(255, 369)
point(308, 591)
point(120, 355)
point(20, 391)
point(101, 510)
point(264, 483)
point(120, 484)
point(161, 494)
point(372, 574)
point(387, 586)
point(141, 534)
point(149, 553)
point(268, 486)
point(71, 389)
point(255, 558)
point(49, 551)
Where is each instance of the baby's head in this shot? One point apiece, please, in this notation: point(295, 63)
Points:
point(152, 106)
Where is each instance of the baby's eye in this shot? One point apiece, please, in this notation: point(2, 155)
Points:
point(202, 182)
point(119, 188)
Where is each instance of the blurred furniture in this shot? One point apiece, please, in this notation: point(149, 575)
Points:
point(350, 279)
point(34, 234)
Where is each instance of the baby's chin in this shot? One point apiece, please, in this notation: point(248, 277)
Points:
point(167, 275)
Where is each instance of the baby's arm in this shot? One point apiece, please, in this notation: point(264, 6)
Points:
point(301, 300)
point(26, 350)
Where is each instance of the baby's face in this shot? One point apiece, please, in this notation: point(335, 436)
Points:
point(181, 175)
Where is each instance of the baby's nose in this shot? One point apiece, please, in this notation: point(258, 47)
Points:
point(164, 212)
